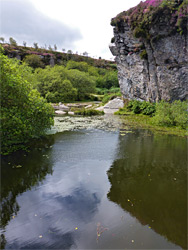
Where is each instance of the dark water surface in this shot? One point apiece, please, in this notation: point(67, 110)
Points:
point(96, 189)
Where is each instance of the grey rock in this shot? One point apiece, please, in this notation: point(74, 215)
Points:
point(60, 112)
point(163, 74)
point(63, 107)
point(113, 105)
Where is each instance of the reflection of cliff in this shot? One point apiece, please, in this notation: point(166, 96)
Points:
point(20, 173)
point(148, 180)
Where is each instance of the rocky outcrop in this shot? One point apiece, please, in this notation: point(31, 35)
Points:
point(153, 67)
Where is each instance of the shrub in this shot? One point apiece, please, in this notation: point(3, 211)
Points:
point(148, 108)
point(134, 106)
point(138, 107)
point(174, 114)
point(34, 61)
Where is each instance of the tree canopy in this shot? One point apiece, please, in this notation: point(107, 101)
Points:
point(24, 113)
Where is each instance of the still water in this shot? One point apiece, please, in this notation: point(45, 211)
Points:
point(96, 188)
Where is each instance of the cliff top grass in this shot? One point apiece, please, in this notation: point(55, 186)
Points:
point(174, 13)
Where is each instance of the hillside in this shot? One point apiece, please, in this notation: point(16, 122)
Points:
point(50, 57)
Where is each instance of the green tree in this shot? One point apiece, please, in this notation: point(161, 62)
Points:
point(54, 86)
point(35, 45)
point(82, 66)
point(69, 51)
point(12, 41)
point(2, 39)
point(109, 80)
point(34, 61)
point(62, 91)
point(55, 47)
point(50, 48)
point(84, 83)
point(24, 113)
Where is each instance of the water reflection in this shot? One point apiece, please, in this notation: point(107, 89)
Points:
point(148, 179)
point(52, 206)
point(19, 172)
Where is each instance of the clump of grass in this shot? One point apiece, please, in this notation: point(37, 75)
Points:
point(89, 112)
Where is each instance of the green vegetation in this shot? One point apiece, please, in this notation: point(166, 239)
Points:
point(146, 14)
point(75, 82)
point(89, 112)
point(174, 114)
point(28, 84)
point(171, 117)
point(73, 78)
point(24, 113)
point(34, 61)
point(110, 96)
point(59, 58)
point(146, 108)
point(143, 54)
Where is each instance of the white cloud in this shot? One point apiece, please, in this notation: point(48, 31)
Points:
point(91, 18)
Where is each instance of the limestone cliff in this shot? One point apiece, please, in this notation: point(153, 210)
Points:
point(150, 44)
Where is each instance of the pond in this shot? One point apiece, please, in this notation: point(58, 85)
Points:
point(96, 184)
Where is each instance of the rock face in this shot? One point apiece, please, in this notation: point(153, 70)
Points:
point(151, 69)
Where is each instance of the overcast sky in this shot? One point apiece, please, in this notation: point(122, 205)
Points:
point(78, 25)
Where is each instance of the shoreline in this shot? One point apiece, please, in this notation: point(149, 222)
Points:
point(144, 122)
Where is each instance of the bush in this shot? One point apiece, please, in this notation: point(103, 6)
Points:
point(34, 61)
point(24, 113)
point(134, 106)
point(89, 112)
point(146, 108)
point(174, 114)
